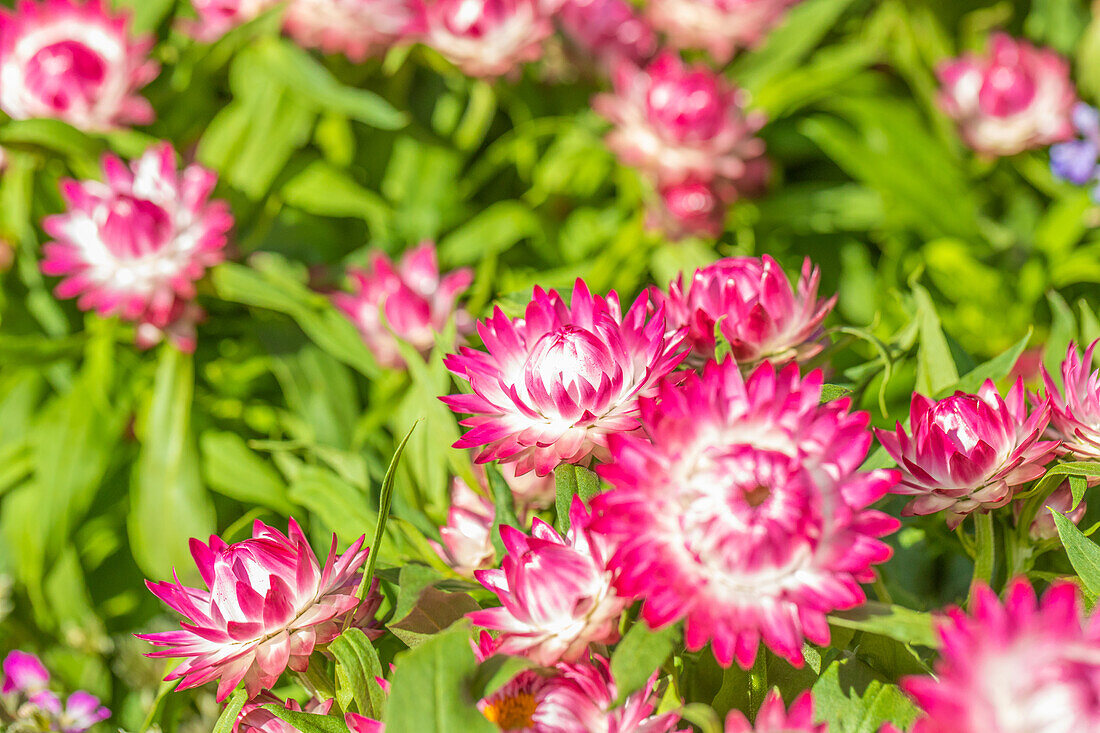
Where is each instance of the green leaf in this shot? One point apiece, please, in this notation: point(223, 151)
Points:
point(232, 469)
point(895, 622)
point(434, 611)
point(495, 672)
point(496, 229)
point(505, 503)
point(854, 698)
point(429, 690)
point(1058, 473)
point(1077, 486)
point(338, 504)
point(228, 719)
point(996, 368)
point(1083, 553)
point(385, 497)
point(323, 189)
point(830, 392)
point(52, 135)
point(641, 652)
point(565, 482)
point(308, 722)
point(147, 14)
point(357, 670)
point(935, 366)
point(1062, 330)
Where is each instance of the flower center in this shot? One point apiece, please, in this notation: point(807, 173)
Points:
point(66, 74)
point(1006, 91)
point(955, 417)
point(512, 712)
point(474, 18)
point(689, 107)
point(135, 227)
point(570, 356)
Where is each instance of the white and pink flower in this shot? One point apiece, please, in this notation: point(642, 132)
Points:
point(1075, 415)
point(267, 606)
point(74, 61)
point(408, 300)
point(741, 509)
point(487, 38)
point(968, 452)
point(719, 27)
point(1016, 97)
point(609, 31)
point(254, 718)
point(774, 718)
point(218, 17)
point(467, 537)
point(554, 384)
point(355, 28)
point(755, 308)
point(135, 245)
point(1018, 667)
point(1061, 501)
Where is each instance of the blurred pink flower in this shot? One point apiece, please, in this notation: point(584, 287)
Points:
point(23, 673)
point(554, 384)
point(762, 316)
point(355, 28)
point(968, 452)
point(680, 123)
point(1075, 417)
point(1061, 500)
point(407, 301)
point(268, 605)
point(76, 62)
point(467, 543)
point(1021, 667)
point(26, 680)
point(80, 712)
point(720, 27)
point(218, 17)
point(135, 245)
point(690, 208)
point(487, 38)
point(253, 718)
point(609, 31)
point(741, 508)
point(1016, 97)
point(361, 724)
point(774, 718)
point(556, 594)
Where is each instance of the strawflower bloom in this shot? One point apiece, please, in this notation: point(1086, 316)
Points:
point(774, 718)
point(355, 28)
point(1023, 666)
point(487, 38)
point(408, 300)
point(557, 595)
point(720, 27)
point(679, 123)
point(253, 718)
point(467, 542)
point(1075, 414)
point(135, 245)
point(1061, 501)
point(218, 17)
point(1016, 97)
point(690, 209)
point(76, 62)
point(609, 31)
point(760, 314)
point(740, 508)
point(554, 384)
point(968, 452)
point(268, 605)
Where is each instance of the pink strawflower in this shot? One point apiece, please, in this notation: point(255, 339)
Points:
point(762, 316)
point(23, 673)
point(557, 595)
point(487, 38)
point(361, 724)
point(1061, 501)
point(720, 27)
point(968, 452)
point(76, 62)
point(80, 712)
point(467, 541)
point(1015, 98)
point(135, 245)
point(774, 718)
point(680, 123)
point(554, 384)
point(268, 605)
point(253, 718)
point(355, 28)
point(218, 17)
point(740, 508)
point(407, 301)
point(609, 31)
point(691, 209)
point(1021, 667)
point(1075, 418)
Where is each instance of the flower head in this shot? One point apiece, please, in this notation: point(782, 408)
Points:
point(554, 384)
point(1061, 501)
point(679, 123)
point(968, 452)
point(755, 307)
point(487, 38)
point(27, 680)
point(267, 606)
point(136, 244)
point(740, 509)
point(467, 541)
point(1018, 667)
point(774, 718)
point(556, 594)
point(1015, 98)
point(73, 61)
point(355, 28)
point(23, 673)
point(218, 17)
point(720, 27)
point(407, 300)
point(1075, 416)
point(608, 30)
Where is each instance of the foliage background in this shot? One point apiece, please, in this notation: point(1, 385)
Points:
point(110, 459)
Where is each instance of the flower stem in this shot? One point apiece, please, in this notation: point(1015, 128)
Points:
point(985, 549)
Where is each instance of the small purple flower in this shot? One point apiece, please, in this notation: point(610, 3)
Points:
point(1075, 161)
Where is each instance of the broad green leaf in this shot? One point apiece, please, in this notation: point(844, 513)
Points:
point(357, 670)
point(411, 582)
point(853, 698)
point(323, 189)
point(434, 611)
point(495, 672)
point(830, 392)
point(496, 229)
point(895, 622)
point(338, 504)
point(53, 135)
point(232, 469)
point(565, 480)
point(1077, 486)
point(935, 366)
point(641, 652)
point(309, 722)
point(1083, 553)
point(995, 369)
point(227, 721)
point(1063, 328)
point(1058, 473)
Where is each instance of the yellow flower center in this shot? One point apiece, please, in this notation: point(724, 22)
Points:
point(510, 713)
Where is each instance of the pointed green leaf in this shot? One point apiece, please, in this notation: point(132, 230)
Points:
point(228, 719)
point(641, 652)
point(1083, 553)
point(357, 670)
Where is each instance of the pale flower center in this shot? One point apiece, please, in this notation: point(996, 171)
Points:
point(66, 74)
point(570, 356)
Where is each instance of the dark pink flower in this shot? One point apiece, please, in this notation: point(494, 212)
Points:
point(24, 674)
point(487, 38)
point(355, 28)
point(218, 17)
point(609, 31)
point(1075, 417)
point(774, 718)
point(1061, 501)
point(720, 27)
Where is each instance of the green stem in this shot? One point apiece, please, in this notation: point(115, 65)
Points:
point(758, 681)
point(985, 549)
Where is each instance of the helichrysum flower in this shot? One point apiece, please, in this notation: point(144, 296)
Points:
point(1075, 413)
point(556, 593)
point(408, 300)
point(487, 38)
point(968, 452)
point(267, 606)
point(608, 31)
point(720, 27)
point(554, 384)
point(1014, 98)
point(774, 718)
point(755, 307)
point(1023, 666)
point(135, 244)
point(741, 510)
point(355, 28)
point(467, 542)
point(680, 123)
point(254, 718)
point(1061, 501)
point(73, 61)
point(218, 17)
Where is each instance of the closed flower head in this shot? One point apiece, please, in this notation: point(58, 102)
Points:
point(720, 27)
